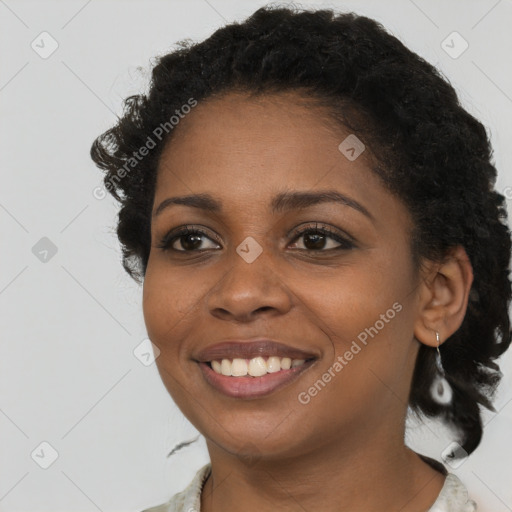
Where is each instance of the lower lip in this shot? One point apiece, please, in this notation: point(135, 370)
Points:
point(252, 387)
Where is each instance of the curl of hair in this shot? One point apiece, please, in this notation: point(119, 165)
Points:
point(430, 152)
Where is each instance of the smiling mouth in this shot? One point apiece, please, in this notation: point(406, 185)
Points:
point(252, 368)
point(255, 367)
point(253, 378)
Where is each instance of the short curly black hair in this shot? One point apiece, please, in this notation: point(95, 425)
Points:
point(431, 153)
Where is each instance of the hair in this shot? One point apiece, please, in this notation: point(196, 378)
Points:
point(430, 152)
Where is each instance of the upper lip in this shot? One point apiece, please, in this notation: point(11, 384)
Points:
point(247, 349)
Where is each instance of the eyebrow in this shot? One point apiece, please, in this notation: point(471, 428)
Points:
point(282, 202)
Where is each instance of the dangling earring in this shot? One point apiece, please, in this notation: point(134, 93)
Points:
point(440, 390)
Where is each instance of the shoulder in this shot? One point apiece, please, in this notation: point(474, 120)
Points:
point(453, 497)
point(188, 500)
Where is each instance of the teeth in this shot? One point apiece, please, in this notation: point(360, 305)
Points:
point(255, 367)
point(225, 367)
point(286, 363)
point(238, 367)
point(273, 364)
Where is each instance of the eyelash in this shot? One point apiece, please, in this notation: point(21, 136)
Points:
point(168, 240)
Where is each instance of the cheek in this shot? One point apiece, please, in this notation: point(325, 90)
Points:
point(353, 299)
point(365, 313)
point(168, 300)
point(169, 307)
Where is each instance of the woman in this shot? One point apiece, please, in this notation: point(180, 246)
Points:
point(312, 215)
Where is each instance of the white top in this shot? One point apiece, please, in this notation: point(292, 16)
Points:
point(452, 498)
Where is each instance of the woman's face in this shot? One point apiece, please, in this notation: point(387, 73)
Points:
point(347, 297)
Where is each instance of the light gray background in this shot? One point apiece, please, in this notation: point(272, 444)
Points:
point(70, 325)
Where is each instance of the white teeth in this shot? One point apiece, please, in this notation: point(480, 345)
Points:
point(286, 363)
point(238, 367)
point(255, 367)
point(273, 364)
point(225, 367)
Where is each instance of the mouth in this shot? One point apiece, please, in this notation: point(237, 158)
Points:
point(252, 369)
point(255, 367)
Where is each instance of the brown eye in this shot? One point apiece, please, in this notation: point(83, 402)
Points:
point(316, 239)
point(191, 240)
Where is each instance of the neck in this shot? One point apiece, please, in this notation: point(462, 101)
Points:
point(374, 473)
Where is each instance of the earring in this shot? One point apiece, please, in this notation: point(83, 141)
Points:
point(440, 390)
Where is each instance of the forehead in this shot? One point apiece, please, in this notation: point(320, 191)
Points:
point(245, 152)
point(257, 141)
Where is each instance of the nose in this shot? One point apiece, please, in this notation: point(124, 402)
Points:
point(248, 290)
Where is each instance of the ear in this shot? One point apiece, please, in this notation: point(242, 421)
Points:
point(443, 297)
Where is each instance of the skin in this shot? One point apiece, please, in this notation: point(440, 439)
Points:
point(275, 453)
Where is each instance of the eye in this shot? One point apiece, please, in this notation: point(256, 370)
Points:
point(193, 240)
point(189, 239)
point(315, 239)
